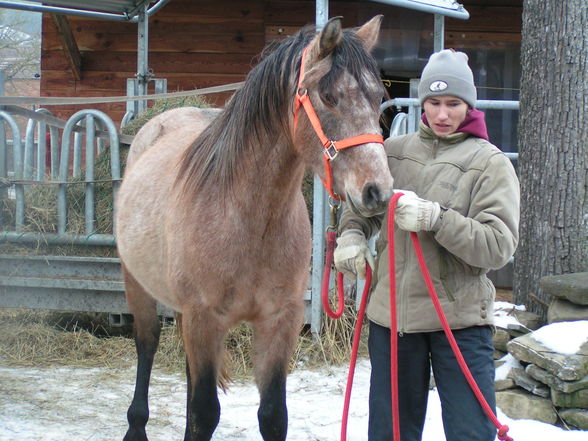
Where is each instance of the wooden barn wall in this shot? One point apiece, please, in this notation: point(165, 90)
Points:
point(198, 43)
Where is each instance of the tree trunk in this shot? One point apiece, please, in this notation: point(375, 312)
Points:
point(553, 147)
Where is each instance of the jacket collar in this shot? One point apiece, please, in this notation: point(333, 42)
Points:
point(473, 124)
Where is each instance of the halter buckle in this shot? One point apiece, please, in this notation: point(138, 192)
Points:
point(331, 150)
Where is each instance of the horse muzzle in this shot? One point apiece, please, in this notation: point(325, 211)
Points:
point(374, 200)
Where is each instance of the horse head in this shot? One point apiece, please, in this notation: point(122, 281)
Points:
point(340, 90)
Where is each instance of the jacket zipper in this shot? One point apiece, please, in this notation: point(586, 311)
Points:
point(435, 147)
point(401, 294)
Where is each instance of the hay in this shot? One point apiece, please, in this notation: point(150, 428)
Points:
point(41, 338)
point(36, 339)
point(41, 200)
point(160, 106)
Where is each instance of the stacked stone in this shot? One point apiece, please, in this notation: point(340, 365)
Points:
point(543, 384)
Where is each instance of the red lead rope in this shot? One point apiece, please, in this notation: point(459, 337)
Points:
point(502, 429)
point(331, 236)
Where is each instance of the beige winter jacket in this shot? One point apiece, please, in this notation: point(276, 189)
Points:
point(477, 185)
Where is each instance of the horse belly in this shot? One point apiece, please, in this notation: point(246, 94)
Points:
point(139, 238)
point(145, 201)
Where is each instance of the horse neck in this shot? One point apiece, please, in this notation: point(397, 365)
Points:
point(271, 176)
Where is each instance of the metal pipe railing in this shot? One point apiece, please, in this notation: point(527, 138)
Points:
point(58, 239)
point(480, 104)
point(400, 123)
point(89, 116)
point(41, 148)
point(18, 168)
point(30, 167)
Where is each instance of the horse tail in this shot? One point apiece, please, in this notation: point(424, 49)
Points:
point(223, 376)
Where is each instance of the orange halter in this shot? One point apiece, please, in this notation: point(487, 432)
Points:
point(331, 147)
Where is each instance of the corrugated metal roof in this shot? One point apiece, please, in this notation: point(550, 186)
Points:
point(108, 9)
point(448, 8)
point(112, 6)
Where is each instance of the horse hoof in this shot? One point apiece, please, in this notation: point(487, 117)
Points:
point(135, 435)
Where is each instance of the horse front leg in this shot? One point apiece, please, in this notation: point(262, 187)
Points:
point(274, 341)
point(203, 343)
point(147, 329)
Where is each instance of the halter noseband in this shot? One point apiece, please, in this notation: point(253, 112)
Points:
point(331, 147)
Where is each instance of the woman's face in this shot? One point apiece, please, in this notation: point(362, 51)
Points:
point(445, 113)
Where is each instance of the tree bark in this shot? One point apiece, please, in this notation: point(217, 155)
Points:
point(553, 146)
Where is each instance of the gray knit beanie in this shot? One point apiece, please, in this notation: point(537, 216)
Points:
point(447, 73)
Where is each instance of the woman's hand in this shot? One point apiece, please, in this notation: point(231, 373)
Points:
point(351, 254)
point(415, 214)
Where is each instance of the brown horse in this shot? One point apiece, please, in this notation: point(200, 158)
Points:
point(211, 220)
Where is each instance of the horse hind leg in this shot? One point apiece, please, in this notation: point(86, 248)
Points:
point(146, 329)
point(274, 341)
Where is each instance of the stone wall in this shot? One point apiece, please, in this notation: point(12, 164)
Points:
point(539, 378)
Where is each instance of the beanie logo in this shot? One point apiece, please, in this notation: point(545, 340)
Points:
point(438, 86)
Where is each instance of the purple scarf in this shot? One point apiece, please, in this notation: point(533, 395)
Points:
point(473, 124)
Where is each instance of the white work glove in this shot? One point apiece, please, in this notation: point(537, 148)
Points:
point(351, 254)
point(415, 214)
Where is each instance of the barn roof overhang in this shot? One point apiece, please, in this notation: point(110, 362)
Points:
point(118, 10)
point(447, 8)
point(129, 9)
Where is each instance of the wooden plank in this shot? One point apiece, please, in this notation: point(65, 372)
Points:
point(114, 83)
point(158, 61)
point(477, 38)
point(300, 13)
point(175, 83)
point(488, 19)
point(79, 24)
point(68, 42)
point(116, 111)
point(192, 24)
point(469, 3)
point(252, 10)
point(293, 13)
point(249, 10)
point(222, 42)
point(94, 81)
point(275, 32)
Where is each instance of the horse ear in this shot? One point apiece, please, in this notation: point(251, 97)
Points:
point(330, 37)
point(369, 32)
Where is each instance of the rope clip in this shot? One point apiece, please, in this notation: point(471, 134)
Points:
point(334, 205)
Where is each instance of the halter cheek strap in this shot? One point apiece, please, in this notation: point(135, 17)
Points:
point(331, 147)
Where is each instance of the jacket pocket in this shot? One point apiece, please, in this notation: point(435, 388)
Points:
point(445, 274)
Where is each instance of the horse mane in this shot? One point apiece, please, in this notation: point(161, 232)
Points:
point(257, 113)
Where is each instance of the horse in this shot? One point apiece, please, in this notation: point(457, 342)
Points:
point(212, 223)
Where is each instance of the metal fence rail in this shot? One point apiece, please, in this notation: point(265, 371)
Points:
point(89, 284)
point(408, 122)
point(29, 167)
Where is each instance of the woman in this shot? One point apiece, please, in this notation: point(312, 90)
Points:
point(461, 195)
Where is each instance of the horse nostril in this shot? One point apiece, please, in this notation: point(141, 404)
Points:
point(371, 196)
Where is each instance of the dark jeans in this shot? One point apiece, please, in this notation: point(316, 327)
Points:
point(463, 417)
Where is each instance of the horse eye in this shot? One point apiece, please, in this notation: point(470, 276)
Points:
point(329, 99)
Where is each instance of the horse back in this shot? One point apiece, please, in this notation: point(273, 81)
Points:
point(192, 119)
